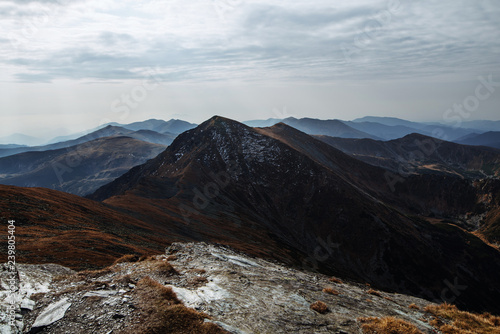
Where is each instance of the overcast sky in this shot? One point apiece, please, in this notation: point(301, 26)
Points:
point(76, 64)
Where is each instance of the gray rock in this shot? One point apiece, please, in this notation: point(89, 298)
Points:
point(27, 304)
point(100, 293)
point(52, 313)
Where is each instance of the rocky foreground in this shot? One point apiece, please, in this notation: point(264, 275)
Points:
point(231, 293)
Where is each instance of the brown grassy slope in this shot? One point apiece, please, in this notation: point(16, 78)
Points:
point(57, 227)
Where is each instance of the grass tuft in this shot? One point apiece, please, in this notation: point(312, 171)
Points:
point(449, 319)
point(127, 258)
point(319, 307)
point(331, 291)
point(166, 269)
point(413, 306)
point(374, 293)
point(387, 325)
point(163, 312)
point(335, 280)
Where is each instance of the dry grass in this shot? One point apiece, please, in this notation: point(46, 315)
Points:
point(172, 258)
point(94, 273)
point(319, 307)
point(387, 325)
point(413, 306)
point(147, 258)
point(127, 258)
point(335, 280)
point(374, 293)
point(166, 269)
point(331, 291)
point(449, 319)
point(198, 281)
point(125, 279)
point(162, 312)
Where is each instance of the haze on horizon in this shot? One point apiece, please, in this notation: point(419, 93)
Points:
point(68, 66)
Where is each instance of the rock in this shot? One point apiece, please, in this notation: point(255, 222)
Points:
point(229, 328)
point(100, 293)
point(27, 304)
point(52, 313)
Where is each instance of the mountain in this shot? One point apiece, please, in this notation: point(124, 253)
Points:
point(263, 123)
point(400, 127)
point(79, 169)
point(11, 146)
point(417, 153)
point(390, 121)
point(385, 132)
point(491, 139)
point(279, 193)
point(20, 139)
point(483, 125)
point(56, 227)
point(108, 131)
point(174, 126)
point(332, 127)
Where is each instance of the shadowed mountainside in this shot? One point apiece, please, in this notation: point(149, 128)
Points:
point(55, 227)
point(419, 154)
point(292, 197)
point(491, 139)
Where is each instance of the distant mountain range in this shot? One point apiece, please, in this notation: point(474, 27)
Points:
point(333, 127)
point(108, 131)
point(382, 128)
point(79, 169)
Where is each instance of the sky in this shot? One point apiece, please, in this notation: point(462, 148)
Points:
point(67, 66)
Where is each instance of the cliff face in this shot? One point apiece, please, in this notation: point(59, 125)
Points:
point(230, 292)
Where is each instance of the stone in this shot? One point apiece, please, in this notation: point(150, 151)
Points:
point(100, 293)
point(52, 313)
point(27, 304)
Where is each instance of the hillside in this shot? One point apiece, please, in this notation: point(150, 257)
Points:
point(418, 154)
point(79, 169)
point(55, 227)
point(491, 139)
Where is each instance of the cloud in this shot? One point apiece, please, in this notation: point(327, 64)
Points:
point(311, 41)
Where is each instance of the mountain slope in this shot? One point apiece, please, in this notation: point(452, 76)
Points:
point(385, 132)
point(79, 169)
point(108, 131)
point(422, 154)
point(443, 131)
point(312, 126)
point(228, 183)
point(491, 139)
point(55, 227)
point(174, 126)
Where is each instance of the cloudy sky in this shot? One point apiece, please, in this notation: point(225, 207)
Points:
point(70, 65)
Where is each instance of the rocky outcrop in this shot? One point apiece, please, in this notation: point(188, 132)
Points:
point(238, 293)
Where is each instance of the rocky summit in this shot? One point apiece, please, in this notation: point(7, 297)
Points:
point(222, 291)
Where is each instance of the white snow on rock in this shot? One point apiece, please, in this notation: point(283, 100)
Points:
point(213, 291)
point(52, 313)
point(238, 260)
